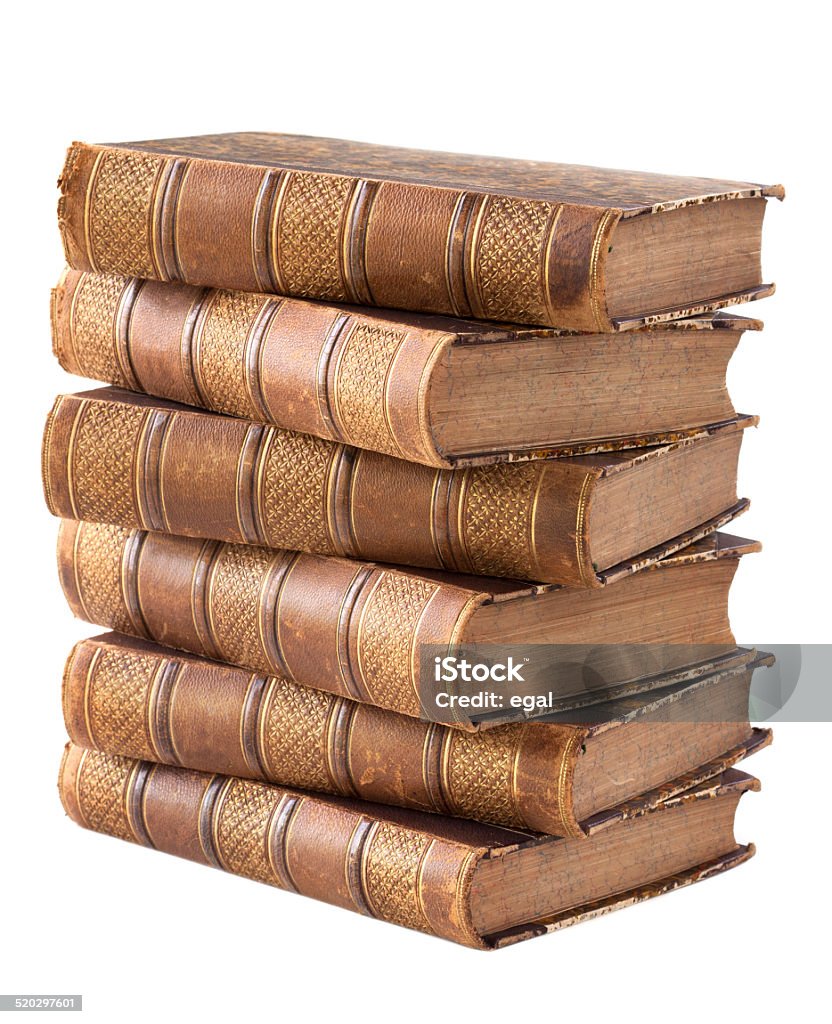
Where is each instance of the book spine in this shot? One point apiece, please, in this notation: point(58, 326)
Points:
point(313, 368)
point(332, 236)
point(273, 835)
point(152, 704)
point(348, 628)
point(133, 464)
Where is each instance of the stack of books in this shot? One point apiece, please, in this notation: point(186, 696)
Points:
point(370, 410)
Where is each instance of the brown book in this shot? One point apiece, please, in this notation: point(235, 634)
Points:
point(515, 240)
point(432, 390)
point(137, 699)
point(475, 884)
point(355, 629)
point(112, 456)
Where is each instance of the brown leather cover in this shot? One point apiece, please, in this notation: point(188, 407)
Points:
point(403, 867)
point(350, 628)
point(362, 378)
point(136, 699)
point(471, 236)
point(111, 456)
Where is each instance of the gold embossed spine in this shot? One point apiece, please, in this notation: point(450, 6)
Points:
point(507, 263)
point(402, 876)
point(118, 697)
point(118, 213)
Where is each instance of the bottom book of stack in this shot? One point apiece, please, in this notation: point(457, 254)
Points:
point(541, 824)
point(476, 884)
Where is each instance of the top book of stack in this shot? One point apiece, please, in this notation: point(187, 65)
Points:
point(569, 247)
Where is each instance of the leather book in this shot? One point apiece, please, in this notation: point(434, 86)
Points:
point(140, 700)
point(474, 884)
point(442, 392)
point(514, 240)
point(354, 629)
point(133, 461)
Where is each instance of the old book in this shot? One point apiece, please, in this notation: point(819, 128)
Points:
point(515, 240)
point(134, 461)
point(432, 390)
point(354, 628)
point(137, 699)
point(475, 884)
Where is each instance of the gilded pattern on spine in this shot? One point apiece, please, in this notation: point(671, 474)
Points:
point(120, 462)
point(242, 605)
point(262, 832)
point(314, 234)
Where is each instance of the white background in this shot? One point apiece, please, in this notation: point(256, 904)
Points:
point(726, 90)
